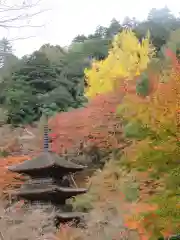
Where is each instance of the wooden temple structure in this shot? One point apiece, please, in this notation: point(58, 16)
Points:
point(49, 182)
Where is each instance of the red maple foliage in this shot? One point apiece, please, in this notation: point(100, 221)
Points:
point(9, 180)
point(96, 123)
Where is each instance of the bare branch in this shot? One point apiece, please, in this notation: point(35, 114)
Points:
point(1, 236)
point(21, 14)
point(20, 38)
point(17, 6)
point(22, 17)
point(18, 18)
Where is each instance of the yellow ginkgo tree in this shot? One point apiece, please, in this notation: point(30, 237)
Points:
point(127, 58)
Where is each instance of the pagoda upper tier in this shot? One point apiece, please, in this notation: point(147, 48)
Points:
point(47, 164)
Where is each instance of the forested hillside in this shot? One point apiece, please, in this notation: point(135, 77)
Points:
point(52, 78)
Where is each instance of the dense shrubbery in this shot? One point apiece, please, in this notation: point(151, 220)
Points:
point(86, 129)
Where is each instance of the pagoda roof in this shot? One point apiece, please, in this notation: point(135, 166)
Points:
point(45, 160)
point(67, 216)
point(53, 192)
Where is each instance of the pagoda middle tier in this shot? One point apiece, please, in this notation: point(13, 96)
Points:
point(47, 191)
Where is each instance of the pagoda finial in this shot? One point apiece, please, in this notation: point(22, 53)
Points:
point(46, 136)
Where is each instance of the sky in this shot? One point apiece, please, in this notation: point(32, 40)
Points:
point(62, 20)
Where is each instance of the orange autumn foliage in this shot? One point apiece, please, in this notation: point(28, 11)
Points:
point(132, 210)
point(159, 111)
point(133, 220)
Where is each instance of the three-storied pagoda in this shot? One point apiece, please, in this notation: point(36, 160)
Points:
point(49, 181)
